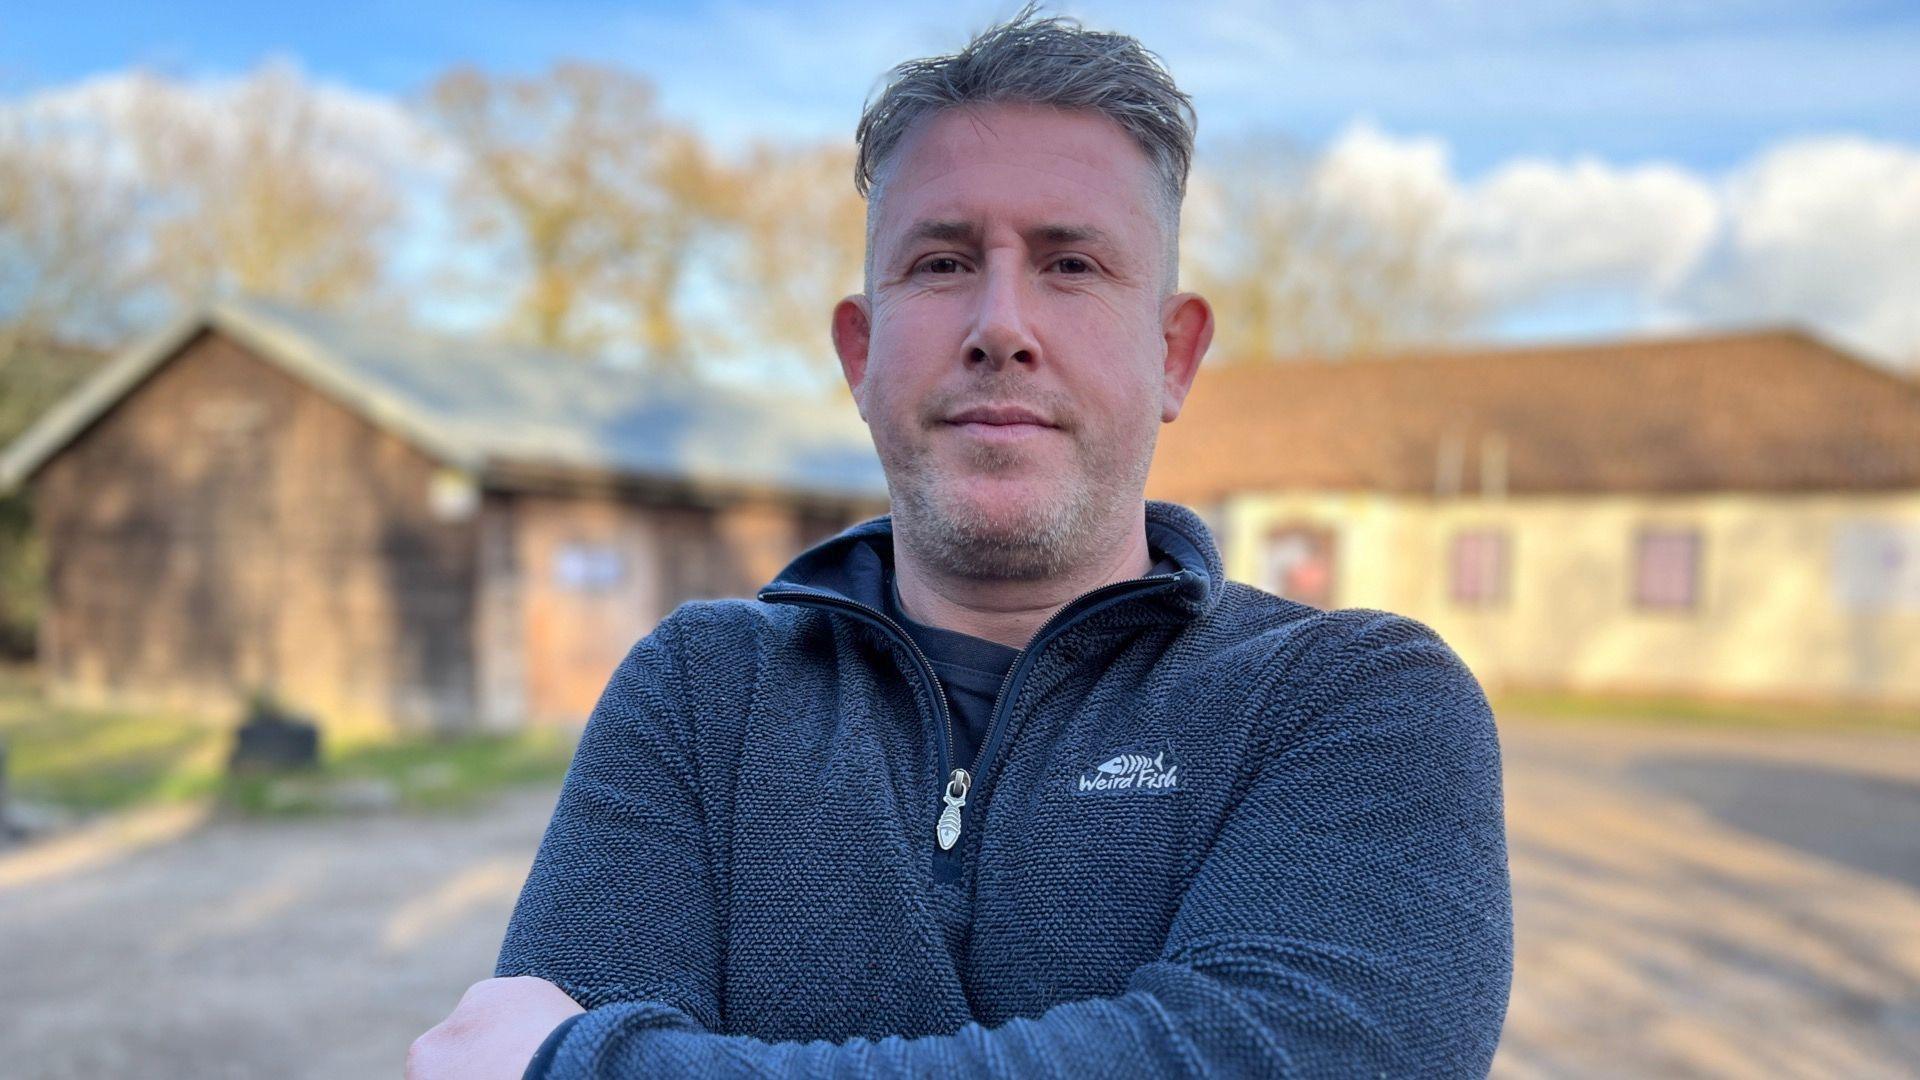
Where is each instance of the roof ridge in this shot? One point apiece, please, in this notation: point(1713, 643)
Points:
point(1567, 348)
point(482, 407)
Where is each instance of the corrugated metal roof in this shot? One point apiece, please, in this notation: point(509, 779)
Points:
point(484, 407)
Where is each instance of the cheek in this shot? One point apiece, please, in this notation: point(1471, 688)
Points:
point(1118, 385)
point(893, 403)
point(906, 351)
point(1129, 408)
point(921, 320)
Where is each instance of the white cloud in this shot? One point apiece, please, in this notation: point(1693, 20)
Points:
point(1821, 232)
point(365, 130)
point(1535, 227)
point(1825, 231)
point(1369, 172)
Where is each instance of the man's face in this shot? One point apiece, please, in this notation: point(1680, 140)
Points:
point(1015, 355)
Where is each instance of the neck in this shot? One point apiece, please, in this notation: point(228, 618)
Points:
point(1010, 611)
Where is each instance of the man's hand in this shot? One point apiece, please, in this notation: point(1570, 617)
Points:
point(493, 1032)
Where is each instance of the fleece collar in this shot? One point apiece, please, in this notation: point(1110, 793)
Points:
point(856, 564)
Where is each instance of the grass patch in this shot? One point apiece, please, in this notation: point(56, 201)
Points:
point(1679, 711)
point(412, 773)
point(95, 760)
point(88, 761)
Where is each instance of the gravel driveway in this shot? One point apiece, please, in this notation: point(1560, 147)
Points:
point(312, 948)
point(1688, 904)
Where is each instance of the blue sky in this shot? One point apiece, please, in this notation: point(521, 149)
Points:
point(1619, 166)
point(1702, 84)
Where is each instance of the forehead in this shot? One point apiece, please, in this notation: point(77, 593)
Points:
point(1021, 165)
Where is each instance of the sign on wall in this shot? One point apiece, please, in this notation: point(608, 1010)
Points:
point(587, 567)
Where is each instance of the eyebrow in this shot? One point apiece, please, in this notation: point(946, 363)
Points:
point(968, 232)
point(951, 231)
point(1071, 234)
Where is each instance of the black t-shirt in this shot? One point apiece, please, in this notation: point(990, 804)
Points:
point(971, 669)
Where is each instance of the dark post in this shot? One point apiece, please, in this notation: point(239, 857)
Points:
point(273, 740)
point(6, 827)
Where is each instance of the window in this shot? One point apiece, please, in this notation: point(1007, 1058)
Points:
point(452, 495)
point(1299, 563)
point(1478, 564)
point(1666, 568)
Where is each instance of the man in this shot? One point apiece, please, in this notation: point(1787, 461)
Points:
point(1014, 781)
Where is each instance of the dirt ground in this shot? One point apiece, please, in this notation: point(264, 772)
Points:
point(1705, 903)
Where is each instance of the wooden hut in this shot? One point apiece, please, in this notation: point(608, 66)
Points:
point(388, 529)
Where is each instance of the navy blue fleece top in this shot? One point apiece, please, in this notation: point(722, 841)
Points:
point(970, 668)
point(1211, 832)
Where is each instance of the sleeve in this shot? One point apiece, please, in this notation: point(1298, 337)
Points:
point(624, 857)
point(1353, 918)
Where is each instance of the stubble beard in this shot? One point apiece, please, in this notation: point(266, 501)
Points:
point(1022, 543)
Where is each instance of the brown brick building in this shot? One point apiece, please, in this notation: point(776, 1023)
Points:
point(391, 530)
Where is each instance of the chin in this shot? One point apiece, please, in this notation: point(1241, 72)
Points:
point(1005, 507)
point(981, 527)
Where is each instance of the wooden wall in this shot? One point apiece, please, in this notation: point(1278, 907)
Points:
point(226, 527)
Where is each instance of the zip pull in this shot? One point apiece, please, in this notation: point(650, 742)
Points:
point(955, 797)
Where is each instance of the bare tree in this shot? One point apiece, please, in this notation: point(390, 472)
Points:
point(658, 242)
point(798, 237)
point(1297, 267)
point(67, 236)
point(595, 202)
point(262, 197)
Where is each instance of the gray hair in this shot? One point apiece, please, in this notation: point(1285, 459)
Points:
point(1034, 61)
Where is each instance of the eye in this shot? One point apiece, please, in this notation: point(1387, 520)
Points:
point(942, 264)
point(1073, 264)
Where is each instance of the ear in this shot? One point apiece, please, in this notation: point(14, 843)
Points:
point(1186, 324)
point(852, 333)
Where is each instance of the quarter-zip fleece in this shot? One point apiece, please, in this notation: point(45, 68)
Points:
point(1209, 831)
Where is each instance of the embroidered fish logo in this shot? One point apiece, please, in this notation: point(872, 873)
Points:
point(1129, 763)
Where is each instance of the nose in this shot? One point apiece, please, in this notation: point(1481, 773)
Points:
point(1001, 334)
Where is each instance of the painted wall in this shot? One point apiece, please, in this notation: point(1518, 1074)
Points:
point(1798, 597)
point(592, 578)
point(571, 582)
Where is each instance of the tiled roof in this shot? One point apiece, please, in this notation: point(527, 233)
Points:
point(1773, 410)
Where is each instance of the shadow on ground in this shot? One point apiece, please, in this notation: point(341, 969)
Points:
point(1866, 822)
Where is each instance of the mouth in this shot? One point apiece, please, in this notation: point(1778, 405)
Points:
point(1000, 423)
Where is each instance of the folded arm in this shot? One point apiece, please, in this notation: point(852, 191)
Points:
point(625, 856)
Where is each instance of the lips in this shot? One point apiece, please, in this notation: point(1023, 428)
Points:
point(999, 416)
